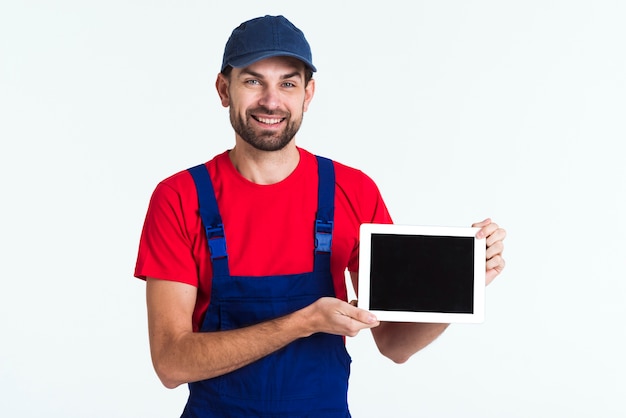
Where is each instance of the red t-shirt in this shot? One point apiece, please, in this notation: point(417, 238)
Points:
point(268, 228)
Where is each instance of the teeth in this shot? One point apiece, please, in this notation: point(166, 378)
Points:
point(269, 121)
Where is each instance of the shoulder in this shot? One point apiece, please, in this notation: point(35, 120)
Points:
point(179, 188)
point(353, 181)
point(345, 175)
point(183, 179)
point(357, 193)
point(357, 187)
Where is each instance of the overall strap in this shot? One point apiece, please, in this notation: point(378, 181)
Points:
point(211, 219)
point(325, 213)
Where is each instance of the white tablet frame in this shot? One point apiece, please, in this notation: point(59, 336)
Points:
point(478, 314)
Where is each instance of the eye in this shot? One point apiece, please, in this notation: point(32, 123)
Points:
point(288, 84)
point(253, 82)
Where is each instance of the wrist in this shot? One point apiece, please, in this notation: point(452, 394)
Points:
point(304, 321)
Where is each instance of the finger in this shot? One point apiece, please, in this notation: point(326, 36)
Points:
point(492, 273)
point(363, 316)
point(497, 235)
point(487, 221)
point(496, 263)
point(490, 229)
point(494, 249)
point(487, 227)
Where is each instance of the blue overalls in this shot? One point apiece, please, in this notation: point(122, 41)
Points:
point(307, 378)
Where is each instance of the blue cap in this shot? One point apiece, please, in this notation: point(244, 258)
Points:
point(265, 37)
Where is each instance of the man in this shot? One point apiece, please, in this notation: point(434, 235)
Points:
point(244, 256)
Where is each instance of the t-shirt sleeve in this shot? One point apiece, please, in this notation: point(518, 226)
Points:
point(371, 209)
point(165, 248)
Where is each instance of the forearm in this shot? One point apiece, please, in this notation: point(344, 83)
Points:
point(400, 340)
point(182, 356)
point(193, 356)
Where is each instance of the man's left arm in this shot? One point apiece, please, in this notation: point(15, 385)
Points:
point(400, 340)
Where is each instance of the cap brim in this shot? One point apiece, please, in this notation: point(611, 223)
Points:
point(248, 59)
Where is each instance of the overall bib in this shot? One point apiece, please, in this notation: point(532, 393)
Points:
point(307, 378)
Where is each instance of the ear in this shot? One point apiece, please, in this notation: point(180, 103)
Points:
point(221, 84)
point(309, 91)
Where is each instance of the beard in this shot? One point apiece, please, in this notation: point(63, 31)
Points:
point(265, 140)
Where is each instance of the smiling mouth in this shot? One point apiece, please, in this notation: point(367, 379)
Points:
point(269, 121)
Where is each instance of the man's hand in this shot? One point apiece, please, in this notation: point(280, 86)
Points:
point(494, 237)
point(335, 316)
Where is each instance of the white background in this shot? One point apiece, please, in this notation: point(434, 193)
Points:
point(459, 110)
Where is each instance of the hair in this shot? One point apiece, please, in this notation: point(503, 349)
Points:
point(308, 74)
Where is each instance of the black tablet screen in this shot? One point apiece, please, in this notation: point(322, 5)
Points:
point(420, 273)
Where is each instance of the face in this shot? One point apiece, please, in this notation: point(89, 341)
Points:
point(267, 101)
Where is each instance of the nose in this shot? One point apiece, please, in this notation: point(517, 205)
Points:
point(270, 98)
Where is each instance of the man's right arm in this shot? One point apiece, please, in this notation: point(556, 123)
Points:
point(180, 355)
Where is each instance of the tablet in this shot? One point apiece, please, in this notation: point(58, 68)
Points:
point(413, 273)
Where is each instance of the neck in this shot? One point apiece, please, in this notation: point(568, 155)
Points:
point(264, 167)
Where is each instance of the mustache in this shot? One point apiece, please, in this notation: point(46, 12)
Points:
point(268, 112)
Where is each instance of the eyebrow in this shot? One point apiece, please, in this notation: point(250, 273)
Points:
point(259, 75)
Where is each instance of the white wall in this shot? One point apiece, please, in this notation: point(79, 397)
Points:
point(458, 109)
